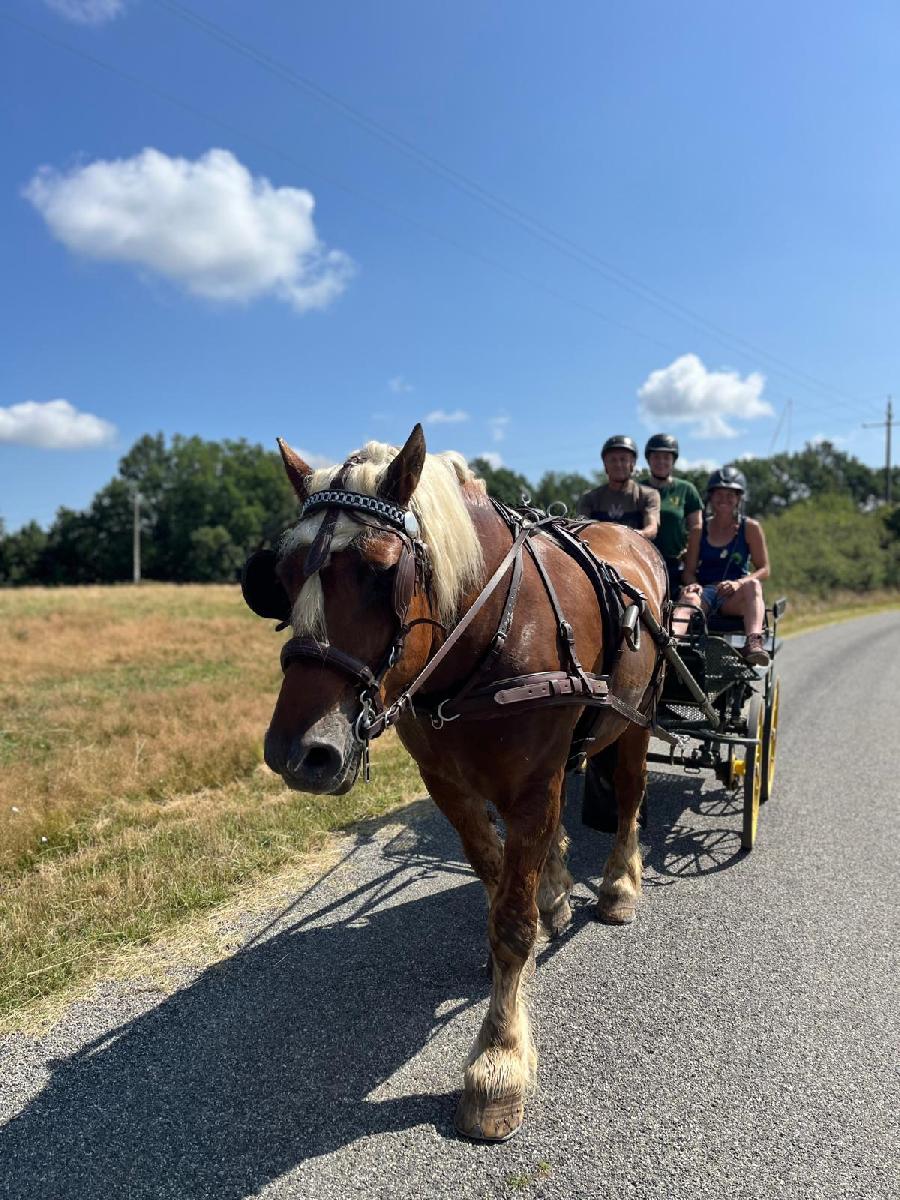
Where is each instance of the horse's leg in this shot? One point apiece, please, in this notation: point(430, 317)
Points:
point(469, 816)
point(556, 882)
point(503, 1060)
point(621, 884)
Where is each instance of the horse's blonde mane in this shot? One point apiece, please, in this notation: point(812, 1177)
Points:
point(444, 523)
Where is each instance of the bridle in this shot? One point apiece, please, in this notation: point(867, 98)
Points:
point(412, 571)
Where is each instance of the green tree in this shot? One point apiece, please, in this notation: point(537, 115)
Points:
point(502, 483)
point(21, 554)
point(567, 487)
point(826, 543)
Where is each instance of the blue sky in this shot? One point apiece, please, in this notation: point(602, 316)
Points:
point(532, 227)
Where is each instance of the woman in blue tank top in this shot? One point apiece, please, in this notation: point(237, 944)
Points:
point(717, 574)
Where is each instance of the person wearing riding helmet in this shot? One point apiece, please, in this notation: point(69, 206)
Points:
point(680, 506)
point(717, 575)
point(621, 498)
point(626, 502)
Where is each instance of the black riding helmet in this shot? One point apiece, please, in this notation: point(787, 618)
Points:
point(727, 477)
point(619, 441)
point(662, 441)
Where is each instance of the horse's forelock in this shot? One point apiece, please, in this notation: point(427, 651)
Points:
point(440, 507)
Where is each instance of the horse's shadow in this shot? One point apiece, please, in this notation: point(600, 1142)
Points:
point(690, 831)
point(270, 1057)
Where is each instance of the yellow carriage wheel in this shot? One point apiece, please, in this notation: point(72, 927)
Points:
point(753, 771)
point(770, 739)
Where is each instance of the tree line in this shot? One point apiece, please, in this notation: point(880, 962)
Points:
point(206, 505)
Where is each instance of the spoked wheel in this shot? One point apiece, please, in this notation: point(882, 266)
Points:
point(753, 771)
point(770, 737)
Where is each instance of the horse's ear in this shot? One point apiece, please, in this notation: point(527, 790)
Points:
point(297, 470)
point(263, 590)
point(402, 475)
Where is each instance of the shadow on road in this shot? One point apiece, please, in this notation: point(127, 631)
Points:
point(268, 1058)
point(689, 832)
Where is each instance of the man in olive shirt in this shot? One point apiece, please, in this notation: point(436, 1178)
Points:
point(621, 499)
point(681, 509)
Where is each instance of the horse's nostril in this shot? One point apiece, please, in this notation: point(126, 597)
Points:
point(319, 758)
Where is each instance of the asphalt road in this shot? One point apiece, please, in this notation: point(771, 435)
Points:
point(739, 1040)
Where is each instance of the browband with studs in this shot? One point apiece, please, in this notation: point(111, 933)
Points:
point(400, 518)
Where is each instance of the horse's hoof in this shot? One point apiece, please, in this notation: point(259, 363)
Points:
point(614, 912)
point(489, 1120)
point(555, 921)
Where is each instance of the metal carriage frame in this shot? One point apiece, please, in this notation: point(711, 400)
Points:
point(727, 722)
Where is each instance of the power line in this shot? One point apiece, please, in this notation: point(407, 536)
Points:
point(472, 188)
point(367, 198)
point(356, 193)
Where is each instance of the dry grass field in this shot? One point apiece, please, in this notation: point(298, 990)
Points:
point(132, 789)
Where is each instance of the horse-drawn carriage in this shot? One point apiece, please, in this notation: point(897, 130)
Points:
point(733, 722)
point(503, 645)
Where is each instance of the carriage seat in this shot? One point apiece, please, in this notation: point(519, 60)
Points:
point(720, 623)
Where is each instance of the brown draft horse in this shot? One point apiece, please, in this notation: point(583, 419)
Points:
point(345, 599)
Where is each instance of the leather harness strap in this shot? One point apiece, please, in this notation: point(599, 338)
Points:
point(572, 685)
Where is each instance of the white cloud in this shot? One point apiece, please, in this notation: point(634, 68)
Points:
point(685, 393)
point(441, 417)
point(207, 225)
point(492, 458)
point(87, 12)
point(399, 385)
point(53, 425)
point(497, 426)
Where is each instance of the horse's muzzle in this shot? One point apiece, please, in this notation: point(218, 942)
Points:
point(317, 762)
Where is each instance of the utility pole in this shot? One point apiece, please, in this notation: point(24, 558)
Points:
point(886, 425)
point(136, 542)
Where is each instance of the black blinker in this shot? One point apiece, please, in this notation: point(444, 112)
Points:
point(262, 588)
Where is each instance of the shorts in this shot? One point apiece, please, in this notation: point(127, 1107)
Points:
point(712, 601)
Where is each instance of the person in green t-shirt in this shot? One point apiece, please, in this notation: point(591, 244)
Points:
point(680, 507)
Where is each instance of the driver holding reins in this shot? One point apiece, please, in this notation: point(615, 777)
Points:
point(717, 575)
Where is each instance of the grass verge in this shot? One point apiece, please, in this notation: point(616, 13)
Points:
point(132, 792)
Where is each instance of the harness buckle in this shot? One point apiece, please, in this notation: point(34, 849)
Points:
point(438, 721)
